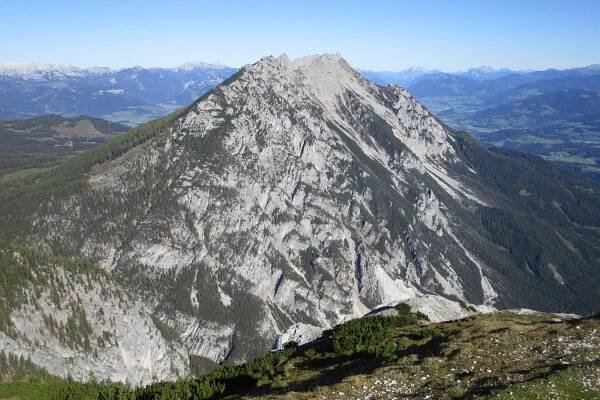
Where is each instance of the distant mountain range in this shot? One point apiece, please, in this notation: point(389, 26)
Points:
point(129, 95)
point(478, 81)
point(402, 78)
point(411, 76)
point(473, 100)
point(494, 77)
point(137, 94)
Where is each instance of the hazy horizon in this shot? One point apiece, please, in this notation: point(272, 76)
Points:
point(380, 36)
point(16, 63)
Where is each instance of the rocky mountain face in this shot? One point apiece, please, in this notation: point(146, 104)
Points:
point(129, 95)
point(299, 192)
point(60, 315)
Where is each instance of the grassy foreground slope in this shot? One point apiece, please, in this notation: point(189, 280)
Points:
point(496, 356)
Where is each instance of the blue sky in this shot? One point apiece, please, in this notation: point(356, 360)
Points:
point(379, 35)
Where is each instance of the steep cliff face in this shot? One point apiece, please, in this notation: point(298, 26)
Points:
point(72, 320)
point(299, 192)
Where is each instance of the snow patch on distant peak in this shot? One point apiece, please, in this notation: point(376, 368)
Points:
point(111, 91)
point(199, 65)
point(40, 71)
point(32, 71)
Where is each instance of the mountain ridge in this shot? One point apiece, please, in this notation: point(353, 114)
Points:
point(297, 191)
point(37, 70)
point(128, 95)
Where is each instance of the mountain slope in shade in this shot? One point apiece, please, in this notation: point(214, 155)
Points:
point(298, 191)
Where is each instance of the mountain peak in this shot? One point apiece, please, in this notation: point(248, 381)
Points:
point(311, 62)
point(328, 83)
point(36, 71)
point(326, 76)
point(482, 68)
point(309, 59)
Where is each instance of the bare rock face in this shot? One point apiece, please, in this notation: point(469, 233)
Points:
point(78, 323)
point(296, 192)
point(308, 190)
point(298, 334)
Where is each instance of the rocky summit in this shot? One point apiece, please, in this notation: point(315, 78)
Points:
point(299, 195)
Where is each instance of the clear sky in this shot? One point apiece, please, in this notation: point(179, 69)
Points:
point(380, 35)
